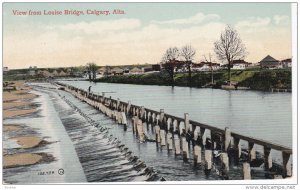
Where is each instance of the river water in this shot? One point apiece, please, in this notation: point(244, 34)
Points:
point(262, 115)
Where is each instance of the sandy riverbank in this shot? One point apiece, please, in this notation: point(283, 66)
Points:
point(22, 159)
point(28, 141)
point(11, 128)
point(18, 95)
point(18, 100)
point(14, 102)
point(9, 105)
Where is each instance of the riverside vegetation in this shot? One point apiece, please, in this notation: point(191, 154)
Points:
point(257, 79)
point(254, 79)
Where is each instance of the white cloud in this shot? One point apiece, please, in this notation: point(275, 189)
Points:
point(279, 19)
point(103, 26)
point(195, 19)
point(253, 22)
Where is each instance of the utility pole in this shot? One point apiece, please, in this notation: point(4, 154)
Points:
point(211, 68)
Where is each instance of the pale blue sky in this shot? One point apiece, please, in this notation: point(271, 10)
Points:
point(140, 35)
point(229, 12)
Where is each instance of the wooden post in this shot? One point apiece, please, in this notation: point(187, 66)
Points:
point(142, 113)
point(133, 111)
point(268, 158)
point(157, 133)
point(208, 159)
point(185, 149)
point(225, 163)
point(162, 137)
point(149, 117)
point(251, 150)
point(157, 119)
point(181, 127)
point(287, 165)
point(227, 139)
point(177, 144)
point(149, 121)
point(169, 141)
point(124, 120)
point(134, 124)
point(205, 135)
point(169, 121)
point(186, 122)
point(196, 133)
point(202, 131)
point(246, 171)
point(162, 132)
point(161, 116)
point(119, 114)
point(140, 130)
point(175, 125)
point(118, 104)
point(137, 112)
point(128, 107)
point(237, 150)
point(197, 154)
point(154, 119)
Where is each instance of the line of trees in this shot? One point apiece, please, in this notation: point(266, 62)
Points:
point(229, 47)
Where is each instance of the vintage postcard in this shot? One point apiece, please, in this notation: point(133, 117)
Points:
point(144, 93)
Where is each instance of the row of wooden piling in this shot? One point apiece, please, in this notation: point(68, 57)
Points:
point(180, 134)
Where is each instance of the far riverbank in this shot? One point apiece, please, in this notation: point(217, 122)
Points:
point(263, 80)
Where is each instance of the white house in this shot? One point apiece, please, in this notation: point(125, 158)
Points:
point(287, 63)
point(205, 66)
point(136, 70)
point(239, 64)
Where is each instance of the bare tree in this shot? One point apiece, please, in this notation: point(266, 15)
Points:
point(230, 47)
point(92, 70)
point(188, 53)
point(170, 59)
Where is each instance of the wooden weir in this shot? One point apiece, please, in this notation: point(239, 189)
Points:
point(180, 134)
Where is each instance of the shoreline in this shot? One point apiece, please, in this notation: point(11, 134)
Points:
point(34, 139)
point(16, 104)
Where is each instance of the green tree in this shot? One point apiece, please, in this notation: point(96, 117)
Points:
point(92, 70)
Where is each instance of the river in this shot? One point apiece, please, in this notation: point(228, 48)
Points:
point(262, 115)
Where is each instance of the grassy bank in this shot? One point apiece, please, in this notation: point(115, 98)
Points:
point(254, 79)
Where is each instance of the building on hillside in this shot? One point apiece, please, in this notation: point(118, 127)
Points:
point(101, 70)
point(135, 70)
point(117, 71)
point(44, 73)
point(240, 64)
point(205, 66)
point(156, 67)
point(62, 74)
point(31, 72)
point(270, 63)
point(286, 63)
point(104, 71)
point(147, 69)
point(69, 71)
point(5, 69)
point(54, 73)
